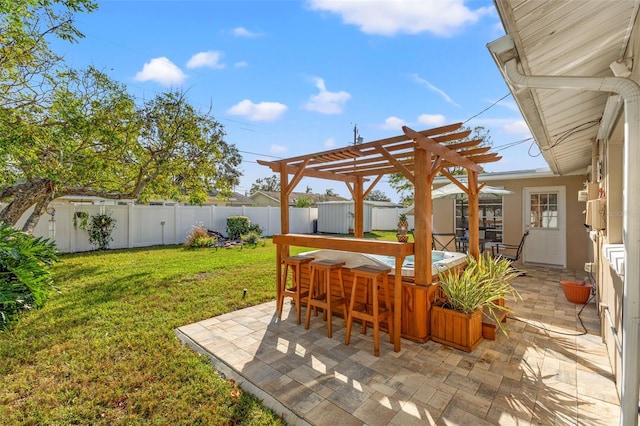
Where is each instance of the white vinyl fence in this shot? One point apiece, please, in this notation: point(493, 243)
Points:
point(386, 219)
point(142, 226)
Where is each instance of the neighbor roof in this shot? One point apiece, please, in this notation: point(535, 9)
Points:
point(294, 196)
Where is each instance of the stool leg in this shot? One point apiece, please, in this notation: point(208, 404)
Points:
point(352, 302)
point(376, 319)
point(387, 306)
point(342, 295)
point(296, 298)
point(366, 304)
point(311, 292)
point(328, 314)
point(283, 286)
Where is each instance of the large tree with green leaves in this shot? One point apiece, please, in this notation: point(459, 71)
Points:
point(66, 132)
point(28, 66)
point(377, 195)
point(93, 140)
point(404, 187)
point(268, 184)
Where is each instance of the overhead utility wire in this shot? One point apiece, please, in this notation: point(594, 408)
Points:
point(264, 155)
point(564, 136)
point(487, 108)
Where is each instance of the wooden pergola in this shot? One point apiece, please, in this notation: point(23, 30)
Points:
point(419, 156)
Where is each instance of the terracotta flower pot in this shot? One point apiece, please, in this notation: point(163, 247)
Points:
point(576, 291)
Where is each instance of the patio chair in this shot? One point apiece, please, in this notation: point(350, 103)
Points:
point(511, 252)
point(445, 241)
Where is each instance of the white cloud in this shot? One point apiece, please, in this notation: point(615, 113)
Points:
point(510, 105)
point(241, 64)
point(326, 102)
point(277, 149)
point(518, 127)
point(439, 17)
point(263, 111)
point(161, 70)
point(330, 143)
point(243, 32)
point(512, 126)
point(433, 88)
point(431, 119)
point(393, 123)
point(210, 59)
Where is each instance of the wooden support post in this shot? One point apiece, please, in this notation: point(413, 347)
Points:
point(474, 223)
point(284, 200)
point(397, 304)
point(422, 203)
point(358, 201)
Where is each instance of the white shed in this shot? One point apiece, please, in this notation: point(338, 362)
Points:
point(337, 217)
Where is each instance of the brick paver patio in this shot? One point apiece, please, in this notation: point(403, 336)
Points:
point(545, 372)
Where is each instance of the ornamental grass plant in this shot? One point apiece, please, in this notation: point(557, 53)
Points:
point(482, 284)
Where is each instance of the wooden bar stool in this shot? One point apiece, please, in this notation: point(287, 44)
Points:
point(371, 276)
point(320, 294)
point(295, 290)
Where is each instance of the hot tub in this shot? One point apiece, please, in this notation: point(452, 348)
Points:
point(440, 260)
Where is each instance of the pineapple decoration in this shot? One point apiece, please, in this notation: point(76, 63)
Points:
point(403, 228)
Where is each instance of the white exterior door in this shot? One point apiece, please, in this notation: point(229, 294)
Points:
point(545, 219)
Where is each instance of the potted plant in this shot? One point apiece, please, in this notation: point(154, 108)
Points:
point(403, 228)
point(456, 318)
point(576, 291)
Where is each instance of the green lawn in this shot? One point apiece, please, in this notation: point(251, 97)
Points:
point(103, 350)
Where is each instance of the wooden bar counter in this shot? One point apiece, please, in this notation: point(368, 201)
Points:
point(411, 302)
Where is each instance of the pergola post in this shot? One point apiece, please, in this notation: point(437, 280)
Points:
point(358, 203)
point(473, 215)
point(423, 210)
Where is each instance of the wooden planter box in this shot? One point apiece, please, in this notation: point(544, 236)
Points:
point(489, 324)
point(456, 329)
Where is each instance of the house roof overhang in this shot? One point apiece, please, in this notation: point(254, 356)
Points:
point(574, 38)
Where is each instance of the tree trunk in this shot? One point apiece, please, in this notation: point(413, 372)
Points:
point(39, 192)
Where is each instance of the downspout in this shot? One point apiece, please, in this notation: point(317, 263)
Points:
point(629, 90)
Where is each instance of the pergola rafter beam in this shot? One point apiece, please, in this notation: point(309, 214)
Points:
point(276, 167)
point(432, 146)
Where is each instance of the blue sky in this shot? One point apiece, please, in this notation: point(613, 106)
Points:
point(288, 78)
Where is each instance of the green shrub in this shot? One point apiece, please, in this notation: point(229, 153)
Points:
point(100, 228)
point(304, 201)
point(237, 226)
point(252, 238)
point(199, 237)
point(255, 228)
point(25, 279)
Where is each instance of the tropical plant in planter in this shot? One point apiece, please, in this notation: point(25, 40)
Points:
point(403, 228)
point(456, 318)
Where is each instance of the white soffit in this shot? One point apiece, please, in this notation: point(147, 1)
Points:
point(566, 38)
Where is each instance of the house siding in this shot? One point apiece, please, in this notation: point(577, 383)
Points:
point(578, 242)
